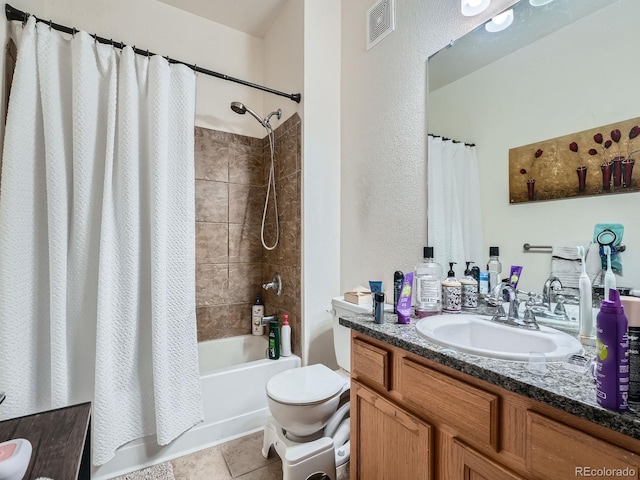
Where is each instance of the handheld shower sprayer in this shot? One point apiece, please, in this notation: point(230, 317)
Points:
point(241, 109)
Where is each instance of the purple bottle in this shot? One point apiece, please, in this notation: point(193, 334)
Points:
point(612, 361)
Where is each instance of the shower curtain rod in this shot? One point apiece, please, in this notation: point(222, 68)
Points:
point(454, 141)
point(15, 14)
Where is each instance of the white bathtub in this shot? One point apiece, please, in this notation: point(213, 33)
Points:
point(233, 376)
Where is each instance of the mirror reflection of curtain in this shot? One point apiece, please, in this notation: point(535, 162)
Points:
point(454, 209)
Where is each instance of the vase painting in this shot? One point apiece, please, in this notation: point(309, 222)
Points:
point(602, 159)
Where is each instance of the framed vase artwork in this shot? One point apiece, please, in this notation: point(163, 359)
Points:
point(598, 161)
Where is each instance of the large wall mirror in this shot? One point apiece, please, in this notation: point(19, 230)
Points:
point(560, 68)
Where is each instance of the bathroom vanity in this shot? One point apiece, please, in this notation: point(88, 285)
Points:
point(60, 441)
point(421, 411)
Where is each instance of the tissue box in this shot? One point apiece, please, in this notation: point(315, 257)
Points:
point(359, 297)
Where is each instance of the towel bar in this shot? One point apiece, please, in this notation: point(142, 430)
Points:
point(526, 247)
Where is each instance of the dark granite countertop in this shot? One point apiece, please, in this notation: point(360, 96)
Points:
point(564, 386)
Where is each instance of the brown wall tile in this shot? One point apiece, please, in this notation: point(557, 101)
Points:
point(245, 203)
point(212, 201)
point(212, 284)
point(244, 282)
point(212, 242)
point(244, 243)
point(245, 165)
point(212, 161)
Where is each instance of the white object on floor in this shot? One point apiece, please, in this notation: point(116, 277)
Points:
point(300, 460)
point(14, 458)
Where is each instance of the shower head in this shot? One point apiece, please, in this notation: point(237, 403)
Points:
point(240, 109)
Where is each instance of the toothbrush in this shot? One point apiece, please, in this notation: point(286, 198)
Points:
point(586, 317)
point(609, 277)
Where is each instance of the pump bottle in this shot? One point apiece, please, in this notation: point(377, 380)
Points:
point(257, 312)
point(451, 292)
point(469, 289)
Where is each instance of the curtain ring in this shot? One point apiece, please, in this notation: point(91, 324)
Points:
point(112, 45)
point(74, 32)
point(147, 53)
point(95, 38)
point(25, 19)
point(49, 24)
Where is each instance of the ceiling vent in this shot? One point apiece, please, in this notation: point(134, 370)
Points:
point(380, 22)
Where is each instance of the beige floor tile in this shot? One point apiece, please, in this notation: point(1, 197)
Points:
point(206, 464)
point(244, 454)
point(273, 471)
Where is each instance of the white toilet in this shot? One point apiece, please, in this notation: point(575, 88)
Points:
point(307, 427)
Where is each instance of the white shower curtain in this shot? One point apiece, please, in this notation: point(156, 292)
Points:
point(454, 206)
point(97, 283)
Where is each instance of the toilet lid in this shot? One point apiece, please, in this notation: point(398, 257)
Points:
point(305, 385)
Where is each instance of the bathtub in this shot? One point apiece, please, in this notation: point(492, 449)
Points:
point(233, 377)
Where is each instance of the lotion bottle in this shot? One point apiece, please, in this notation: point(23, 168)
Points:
point(451, 292)
point(612, 361)
point(469, 290)
point(257, 312)
point(285, 351)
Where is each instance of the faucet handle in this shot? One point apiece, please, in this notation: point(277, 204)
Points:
point(529, 319)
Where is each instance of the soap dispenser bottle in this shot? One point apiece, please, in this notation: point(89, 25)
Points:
point(451, 292)
point(612, 361)
point(469, 290)
point(428, 288)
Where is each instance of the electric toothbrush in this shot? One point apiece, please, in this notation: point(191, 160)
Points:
point(609, 277)
point(586, 315)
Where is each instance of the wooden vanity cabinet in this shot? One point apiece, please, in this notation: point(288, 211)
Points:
point(412, 418)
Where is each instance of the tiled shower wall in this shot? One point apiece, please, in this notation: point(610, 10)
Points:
point(231, 265)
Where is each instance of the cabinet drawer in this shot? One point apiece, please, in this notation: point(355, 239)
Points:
point(370, 362)
point(470, 410)
point(556, 451)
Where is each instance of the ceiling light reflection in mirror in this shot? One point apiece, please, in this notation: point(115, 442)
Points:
point(469, 8)
point(500, 22)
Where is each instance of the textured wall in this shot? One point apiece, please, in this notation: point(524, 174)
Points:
point(384, 126)
point(231, 264)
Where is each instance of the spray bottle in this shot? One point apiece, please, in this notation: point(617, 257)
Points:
point(612, 361)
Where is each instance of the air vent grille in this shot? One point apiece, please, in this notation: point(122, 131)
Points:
point(380, 22)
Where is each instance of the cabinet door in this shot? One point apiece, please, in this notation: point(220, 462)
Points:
point(387, 443)
point(471, 465)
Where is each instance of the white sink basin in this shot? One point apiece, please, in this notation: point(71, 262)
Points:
point(477, 335)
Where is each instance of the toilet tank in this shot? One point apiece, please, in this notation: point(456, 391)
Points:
point(342, 335)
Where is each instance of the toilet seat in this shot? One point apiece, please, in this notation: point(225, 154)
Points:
point(305, 386)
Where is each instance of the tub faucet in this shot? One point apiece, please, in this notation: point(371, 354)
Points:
point(268, 318)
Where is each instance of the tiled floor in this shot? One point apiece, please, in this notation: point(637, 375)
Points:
point(239, 459)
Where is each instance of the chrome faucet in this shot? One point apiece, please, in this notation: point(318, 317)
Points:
point(275, 284)
point(551, 283)
point(543, 308)
point(512, 318)
point(268, 318)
